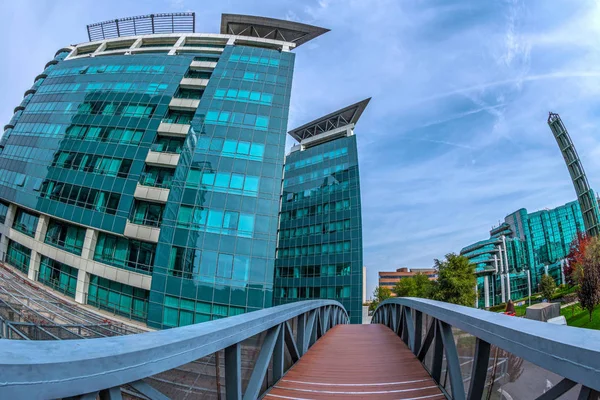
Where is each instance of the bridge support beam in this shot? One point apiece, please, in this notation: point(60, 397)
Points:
point(479, 370)
point(301, 334)
point(233, 372)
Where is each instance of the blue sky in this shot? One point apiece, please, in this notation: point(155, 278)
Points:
point(455, 137)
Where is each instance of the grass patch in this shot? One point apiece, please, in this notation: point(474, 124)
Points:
point(580, 318)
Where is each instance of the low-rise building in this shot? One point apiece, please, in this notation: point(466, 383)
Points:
point(389, 279)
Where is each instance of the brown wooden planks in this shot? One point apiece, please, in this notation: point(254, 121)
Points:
point(357, 362)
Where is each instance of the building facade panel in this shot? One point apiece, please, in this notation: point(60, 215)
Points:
point(142, 175)
point(218, 236)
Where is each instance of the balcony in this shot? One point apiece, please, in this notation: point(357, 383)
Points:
point(164, 159)
point(193, 83)
point(184, 104)
point(174, 129)
point(149, 193)
point(141, 232)
point(203, 65)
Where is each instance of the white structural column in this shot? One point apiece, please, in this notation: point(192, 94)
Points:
point(564, 262)
point(177, 45)
point(496, 263)
point(83, 277)
point(529, 285)
point(89, 244)
point(501, 261)
point(502, 289)
point(40, 234)
point(8, 221)
point(83, 283)
point(486, 290)
point(506, 266)
point(476, 296)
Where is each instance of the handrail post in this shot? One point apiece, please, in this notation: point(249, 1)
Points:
point(481, 360)
point(301, 334)
point(452, 361)
point(410, 328)
point(418, 331)
point(438, 353)
point(278, 354)
point(233, 372)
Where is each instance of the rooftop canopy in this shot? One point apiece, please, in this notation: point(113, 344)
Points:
point(337, 119)
point(142, 25)
point(269, 28)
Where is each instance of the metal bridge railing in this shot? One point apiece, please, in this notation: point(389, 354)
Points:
point(477, 354)
point(86, 368)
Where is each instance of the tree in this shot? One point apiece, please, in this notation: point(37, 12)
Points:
point(574, 260)
point(418, 285)
point(456, 280)
point(379, 295)
point(547, 287)
point(589, 277)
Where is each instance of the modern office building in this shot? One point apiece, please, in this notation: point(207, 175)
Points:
point(388, 279)
point(522, 249)
point(319, 251)
point(141, 172)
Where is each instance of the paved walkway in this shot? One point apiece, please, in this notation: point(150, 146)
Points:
point(357, 362)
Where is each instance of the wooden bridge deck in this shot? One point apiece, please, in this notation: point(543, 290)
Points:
point(357, 362)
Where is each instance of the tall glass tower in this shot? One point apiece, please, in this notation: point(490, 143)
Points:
point(319, 253)
point(141, 172)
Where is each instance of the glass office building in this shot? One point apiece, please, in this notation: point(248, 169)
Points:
point(141, 174)
point(521, 250)
point(319, 251)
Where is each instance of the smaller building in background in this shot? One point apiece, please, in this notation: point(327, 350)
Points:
point(389, 279)
point(519, 251)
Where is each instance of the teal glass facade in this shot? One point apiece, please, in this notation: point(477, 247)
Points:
point(533, 242)
point(204, 128)
point(319, 254)
point(216, 251)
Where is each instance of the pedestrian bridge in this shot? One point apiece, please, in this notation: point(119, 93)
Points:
point(414, 349)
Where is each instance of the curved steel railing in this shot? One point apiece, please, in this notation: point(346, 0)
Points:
point(572, 353)
point(57, 369)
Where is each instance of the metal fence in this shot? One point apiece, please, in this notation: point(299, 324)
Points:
point(274, 339)
point(477, 354)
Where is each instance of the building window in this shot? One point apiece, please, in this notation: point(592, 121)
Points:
point(118, 298)
point(182, 312)
point(145, 213)
point(189, 94)
point(58, 276)
point(178, 117)
point(166, 144)
point(25, 222)
point(125, 253)
point(216, 221)
point(194, 74)
point(81, 196)
point(226, 182)
point(18, 256)
point(65, 236)
point(104, 134)
point(92, 163)
point(3, 212)
point(157, 177)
